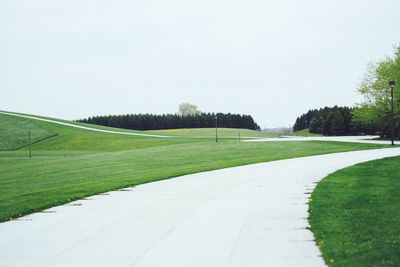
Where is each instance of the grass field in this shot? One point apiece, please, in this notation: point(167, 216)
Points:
point(355, 215)
point(75, 163)
point(210, 133)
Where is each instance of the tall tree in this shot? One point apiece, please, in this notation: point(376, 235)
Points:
point(375, 109)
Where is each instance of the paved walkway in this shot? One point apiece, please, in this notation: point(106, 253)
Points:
point(253, 215)
point(83, 127)
point(365, 139)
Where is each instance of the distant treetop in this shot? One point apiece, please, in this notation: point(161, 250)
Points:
point(187, 109)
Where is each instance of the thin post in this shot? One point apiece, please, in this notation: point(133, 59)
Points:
point(239, 137)
point(216, 129)
point(30, 145)
point(307, 129)
point(391, 84)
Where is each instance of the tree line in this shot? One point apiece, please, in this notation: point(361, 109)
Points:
point(333, 121)
point(174, 121)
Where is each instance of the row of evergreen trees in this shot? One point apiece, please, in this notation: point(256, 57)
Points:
point(174, 121)
point(333, 121)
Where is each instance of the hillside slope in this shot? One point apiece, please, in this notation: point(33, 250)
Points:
point(14, 132)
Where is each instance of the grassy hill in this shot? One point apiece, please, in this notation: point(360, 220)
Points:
point(75, 163)
point(14, 132)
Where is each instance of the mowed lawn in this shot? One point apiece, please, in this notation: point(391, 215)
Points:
point(75, 163)
point(14, 132)
point(355, 215)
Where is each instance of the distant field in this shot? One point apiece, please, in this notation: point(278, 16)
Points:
point(223, 133)
point(77, 163)
point(354, 214)
point(187, 133)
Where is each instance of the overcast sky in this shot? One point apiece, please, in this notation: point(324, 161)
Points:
point(271, 59)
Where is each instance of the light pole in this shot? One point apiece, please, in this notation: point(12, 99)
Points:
point(392, 83)
point(30, 149)
point(307, 129)
point(216, 129)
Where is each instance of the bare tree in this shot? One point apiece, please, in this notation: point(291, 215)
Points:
point(187, 109)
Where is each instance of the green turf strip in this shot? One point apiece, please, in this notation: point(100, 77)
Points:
point(355, 215)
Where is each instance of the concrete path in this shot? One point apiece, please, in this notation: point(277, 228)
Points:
point(82, 127)
point(365, 139)
point(253, 215)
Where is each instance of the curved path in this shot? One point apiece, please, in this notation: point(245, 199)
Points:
point(82, 127)
point(365, 139)
point(253, 215)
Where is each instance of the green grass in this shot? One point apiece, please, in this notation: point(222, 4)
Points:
point(14, 132)
point(305, 132)
point(355, 215)
point(77, 163)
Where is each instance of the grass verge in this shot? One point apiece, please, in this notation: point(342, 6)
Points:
point(355, 215)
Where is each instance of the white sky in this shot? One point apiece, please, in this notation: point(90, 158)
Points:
point(271, 59)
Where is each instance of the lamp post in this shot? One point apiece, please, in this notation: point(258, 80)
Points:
point(307, 129)
point(392, 83)
point(30, 149)
point(216, 129)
